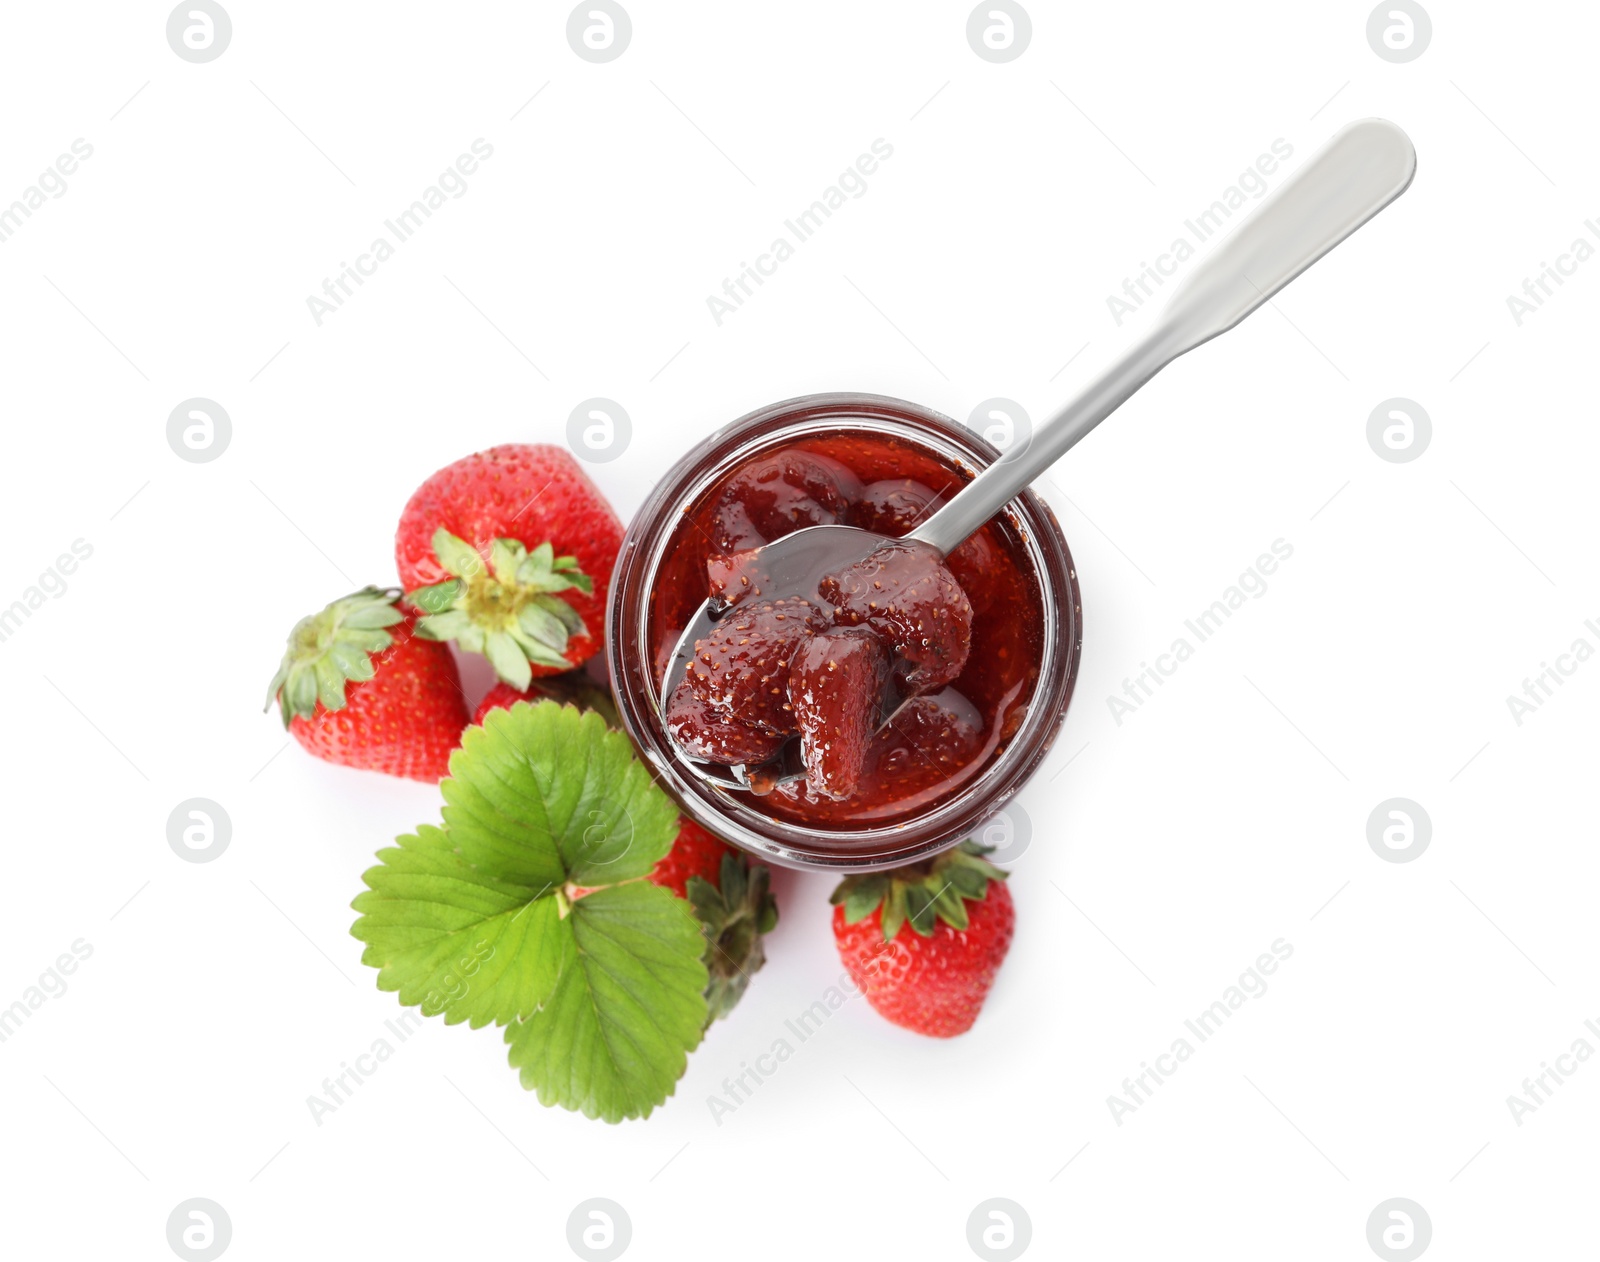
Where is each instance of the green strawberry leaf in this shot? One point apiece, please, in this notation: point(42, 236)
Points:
point(539, 654)
point(509, 660)
point(505, 556)
point(549, 773)
point(920, 914)
point(544, 571)
point(968, 882)
point(456, 555)
point(437, 598)
point(567, 615)
point(541, 560)
point(614, 1038)
point(950, 905)
point(455, 940)
point(542, 625)
point(478, 920)
point(894, 915)
point(861, 897)
point(452, 624)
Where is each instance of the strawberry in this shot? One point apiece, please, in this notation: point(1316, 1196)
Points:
point(733, 902)
point(501, 697)
point(358, 687)
point(573, 688)
point(924, 942)
point(509, 552)
point(835, 681)
point(695, 853)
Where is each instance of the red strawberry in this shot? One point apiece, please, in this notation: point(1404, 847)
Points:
point(835, 681)
point(485, 546)
point(732, 900)
point(357, 687)
point(500, 697)
point(924, 942)
point(573, 688)
point(904, 592)
point(695, 853)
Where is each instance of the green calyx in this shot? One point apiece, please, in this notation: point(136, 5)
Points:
point(506, 609)
point(732, 919)
point(921, 894)
point(331, 649)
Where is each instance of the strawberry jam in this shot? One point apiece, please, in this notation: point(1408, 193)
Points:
point(959, 639)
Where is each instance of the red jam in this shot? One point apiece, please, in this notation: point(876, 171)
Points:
point(963, 638)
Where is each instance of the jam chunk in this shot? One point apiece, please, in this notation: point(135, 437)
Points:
point(892, 506)
point(779, 494)
point(897, 506)
point(836, 682)
point(904, 592)
point(736, 576)
point(741, 670)
point(703, 732)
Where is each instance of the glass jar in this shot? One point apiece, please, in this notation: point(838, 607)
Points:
point(636, 663)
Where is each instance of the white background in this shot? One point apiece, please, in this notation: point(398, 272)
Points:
point(1223, 815)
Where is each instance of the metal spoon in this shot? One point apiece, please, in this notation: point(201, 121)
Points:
point(1360, 171)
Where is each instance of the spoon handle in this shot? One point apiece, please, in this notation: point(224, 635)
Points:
point(1359, 172)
